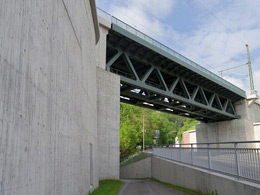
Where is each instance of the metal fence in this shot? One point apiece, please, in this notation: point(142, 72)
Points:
point(240, 159)
point(152, 41)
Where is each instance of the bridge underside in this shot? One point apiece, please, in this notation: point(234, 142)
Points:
point(149, 78)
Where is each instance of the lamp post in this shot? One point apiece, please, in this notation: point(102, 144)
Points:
point(143, 132)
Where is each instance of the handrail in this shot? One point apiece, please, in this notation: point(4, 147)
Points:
point(149, 39)
point(212, 143)
point(241, 162)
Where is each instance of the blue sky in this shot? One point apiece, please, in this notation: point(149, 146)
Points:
point(212, 33)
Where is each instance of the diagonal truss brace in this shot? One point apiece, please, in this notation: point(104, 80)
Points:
point(169, 92)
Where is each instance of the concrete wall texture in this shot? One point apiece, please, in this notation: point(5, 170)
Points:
point(108, 104)
point(257, 131)
point(235, 130)
point(108, 124)
point(189, 177)
point(104, 26)
point(48, 98)
point(203, 180)
point(139, 169)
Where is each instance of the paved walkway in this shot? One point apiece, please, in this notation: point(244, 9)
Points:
point(146, 187)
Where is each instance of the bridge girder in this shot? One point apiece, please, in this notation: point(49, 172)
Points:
point(148, 79)
point(132, 81)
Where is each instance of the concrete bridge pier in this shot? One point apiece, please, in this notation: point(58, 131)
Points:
point(108, 111)
point(245, 128)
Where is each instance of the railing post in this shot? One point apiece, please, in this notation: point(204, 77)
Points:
point(180, 152)
point(191, 153)
point(237, 160)
point(209, 156)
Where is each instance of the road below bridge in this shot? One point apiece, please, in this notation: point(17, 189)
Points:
point(146, 187)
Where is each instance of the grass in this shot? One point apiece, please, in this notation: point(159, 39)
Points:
point(107, 187)
point(182, 189)
point(135, 157)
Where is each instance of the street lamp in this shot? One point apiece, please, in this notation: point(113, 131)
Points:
point(143, 132)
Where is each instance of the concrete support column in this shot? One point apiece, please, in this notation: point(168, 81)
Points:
point(108, 122)
point(234, 130)
point(104, 26)
point(108, 110)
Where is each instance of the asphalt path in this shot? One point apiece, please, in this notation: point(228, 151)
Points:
point(146, 187)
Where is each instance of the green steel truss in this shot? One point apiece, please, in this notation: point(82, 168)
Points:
point(151, 80)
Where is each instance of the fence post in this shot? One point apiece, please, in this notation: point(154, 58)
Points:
point(180, 152)
point(191, 158)
point(237, 160)
point(209, 156)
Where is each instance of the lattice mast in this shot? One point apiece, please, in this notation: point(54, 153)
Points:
point(253, 91)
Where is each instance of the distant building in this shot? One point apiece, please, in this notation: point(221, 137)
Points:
point(189, 137)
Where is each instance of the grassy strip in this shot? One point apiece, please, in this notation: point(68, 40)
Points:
point(107, 187)
point(135, 157)
point(182, 189)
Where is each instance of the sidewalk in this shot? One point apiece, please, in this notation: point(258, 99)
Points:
point(146, 187)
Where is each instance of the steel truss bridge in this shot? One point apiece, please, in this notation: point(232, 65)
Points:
point(155, 77)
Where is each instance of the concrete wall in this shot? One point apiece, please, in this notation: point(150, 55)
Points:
point(139, 169)
point(233, 130)
point(257, 130)
point(48, 107)
point(108, 124)
point(104, 26)
point(248, 110)
point(257, 133)
point(186, 176)
point(195, 178)
point(108, 110)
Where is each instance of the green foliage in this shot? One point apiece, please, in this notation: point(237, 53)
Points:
point(131, 124)
point(135, 157)
point(188, 125)
point(107, 187)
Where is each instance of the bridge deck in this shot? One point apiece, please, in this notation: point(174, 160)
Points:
point(156, 77)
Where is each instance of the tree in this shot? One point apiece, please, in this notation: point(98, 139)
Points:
point(131, 124)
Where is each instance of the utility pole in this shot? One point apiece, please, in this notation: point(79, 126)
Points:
point(253, 91)
point(143, 133)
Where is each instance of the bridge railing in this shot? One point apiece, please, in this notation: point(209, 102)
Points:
point(152, 41)
point(239, 159)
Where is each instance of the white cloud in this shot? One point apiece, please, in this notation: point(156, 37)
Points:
point(237, 82)
point(159, 9)
point(221, 47)
point(145, 15)
point(257, 81)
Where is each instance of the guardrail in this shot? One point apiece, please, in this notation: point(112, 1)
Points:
point(152, 41)
point(239, 159)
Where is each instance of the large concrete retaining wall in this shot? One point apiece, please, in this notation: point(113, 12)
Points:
point(200, 179)
point(187, 176)
point(48, 107)
point(108, 124)
point(139, 169)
